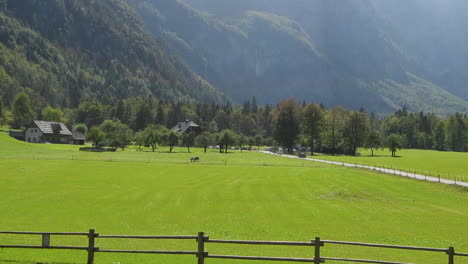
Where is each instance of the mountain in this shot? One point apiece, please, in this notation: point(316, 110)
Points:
point(330, 51)
point(434, 33)
point(64, 52)
point(380, 55)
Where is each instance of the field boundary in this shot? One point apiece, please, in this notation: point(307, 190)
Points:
point(201, 253)
point(380, 169)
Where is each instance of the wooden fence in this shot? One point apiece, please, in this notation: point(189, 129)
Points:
point(201, 254)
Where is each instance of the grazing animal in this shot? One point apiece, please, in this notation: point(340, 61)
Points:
point(194, 159)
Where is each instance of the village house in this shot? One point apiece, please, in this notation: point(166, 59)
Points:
point(52, 132)
point(187, 126)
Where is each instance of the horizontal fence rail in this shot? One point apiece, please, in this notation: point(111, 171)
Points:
point(201, 254)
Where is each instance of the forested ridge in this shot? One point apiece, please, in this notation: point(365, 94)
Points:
point(66, 52)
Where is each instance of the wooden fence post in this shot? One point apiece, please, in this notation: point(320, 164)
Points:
point(201, 248)
point(451, 254)
point(317, 246)
point(91, 238)
point(45, 240)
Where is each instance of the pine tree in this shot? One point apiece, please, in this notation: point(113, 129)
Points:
point(254, 105)
point(440, 136)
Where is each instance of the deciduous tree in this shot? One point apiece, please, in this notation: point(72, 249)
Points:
point(373, 141)
point(287, 124)
point(312, 123)
point(173, 139)
point(204, 140)
point(188, 139)
point(394, 142)
point(118, 135)
point(53, 114)
point(355, 131)
point(22, 111)
point(227, 138)
point(96, 135)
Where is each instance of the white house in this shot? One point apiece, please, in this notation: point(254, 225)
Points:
point(51, 132)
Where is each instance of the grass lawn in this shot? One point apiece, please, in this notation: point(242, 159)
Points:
point(448, 165)
point(254, 196)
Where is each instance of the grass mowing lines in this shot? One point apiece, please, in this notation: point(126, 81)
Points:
point(240, 201)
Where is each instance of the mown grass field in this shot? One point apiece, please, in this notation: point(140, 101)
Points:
point(254, 196)
point(449, 165)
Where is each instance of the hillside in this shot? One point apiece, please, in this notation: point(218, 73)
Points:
point(65, 52)
point(360, 53)
point(325, 51)
point(433, 32)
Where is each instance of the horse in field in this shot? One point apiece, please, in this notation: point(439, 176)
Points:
point(194, 159)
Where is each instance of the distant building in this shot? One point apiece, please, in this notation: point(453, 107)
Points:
point(78, 138)
point(186, 127)
point(52, 132)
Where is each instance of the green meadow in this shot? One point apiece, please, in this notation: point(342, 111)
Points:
point(449, 165)
point(247, 196)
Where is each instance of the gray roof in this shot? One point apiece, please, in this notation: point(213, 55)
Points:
point(183, 126)
point(46, 127)
point(78, 135)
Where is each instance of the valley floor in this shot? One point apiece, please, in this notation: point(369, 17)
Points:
point(245, 195)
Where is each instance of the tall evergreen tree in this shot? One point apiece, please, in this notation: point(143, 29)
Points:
point(254, 105)
point(120, 111)
point(143, 117)
point(160, 115)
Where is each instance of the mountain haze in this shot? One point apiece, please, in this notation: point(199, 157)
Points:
point(380, 55)
point(330, 51)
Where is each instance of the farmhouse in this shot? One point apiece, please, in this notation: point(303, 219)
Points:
point(186, 127)
point(52, 132)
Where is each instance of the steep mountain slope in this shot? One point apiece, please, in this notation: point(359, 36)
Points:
point(63, 52)
point(330, 51)
point(434, 33)
point(261, 54)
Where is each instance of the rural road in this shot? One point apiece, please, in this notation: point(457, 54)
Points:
point(384, 170)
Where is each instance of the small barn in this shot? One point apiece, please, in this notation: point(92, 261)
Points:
point(51, 132)
point(187, 126)
point(78, 138)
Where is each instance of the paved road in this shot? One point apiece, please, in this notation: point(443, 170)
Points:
point(384, 170)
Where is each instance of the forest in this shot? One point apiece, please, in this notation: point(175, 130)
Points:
point(290, 124)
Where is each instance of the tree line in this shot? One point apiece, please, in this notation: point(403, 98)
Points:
point(290, 124)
